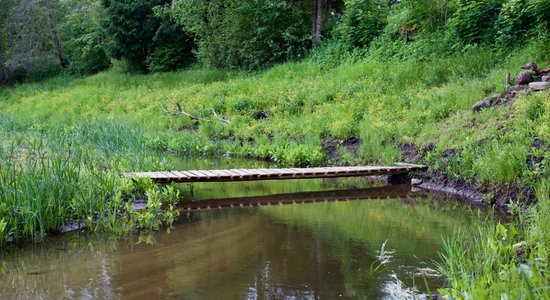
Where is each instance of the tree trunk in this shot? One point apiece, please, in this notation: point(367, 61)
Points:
point(317, 21)
point(62, 60)
point(446, 9)
point(4, 80)
point(3, 73)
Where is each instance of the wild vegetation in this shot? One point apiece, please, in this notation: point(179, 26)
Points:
point(296, 83)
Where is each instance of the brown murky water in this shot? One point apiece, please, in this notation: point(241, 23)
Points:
point(328, 248)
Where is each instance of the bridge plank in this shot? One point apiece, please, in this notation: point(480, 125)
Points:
point(210, 173)
point(198, 173)
point(241, 173)
point(276, 173)
point(248, 172)
point(180, 174)
point(227, 173)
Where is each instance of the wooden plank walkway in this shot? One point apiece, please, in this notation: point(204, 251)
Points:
point(274, 174)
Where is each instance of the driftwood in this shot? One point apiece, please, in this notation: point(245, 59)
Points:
point(180, 111)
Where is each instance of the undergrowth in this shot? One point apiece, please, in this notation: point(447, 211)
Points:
point(287, 113)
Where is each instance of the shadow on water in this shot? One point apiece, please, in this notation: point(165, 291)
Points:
point(327, 249)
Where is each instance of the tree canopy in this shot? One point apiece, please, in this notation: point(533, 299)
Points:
point(40, 38)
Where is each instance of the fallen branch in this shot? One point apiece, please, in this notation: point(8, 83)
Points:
point(225, 121)
point(180, 111)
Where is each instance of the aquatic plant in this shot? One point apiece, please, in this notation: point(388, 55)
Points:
point(383, 257)
point(510, 260)
point(50, 178)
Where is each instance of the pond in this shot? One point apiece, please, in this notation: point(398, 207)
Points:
point(342, 242)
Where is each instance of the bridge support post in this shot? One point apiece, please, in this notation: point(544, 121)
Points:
point(399, 178)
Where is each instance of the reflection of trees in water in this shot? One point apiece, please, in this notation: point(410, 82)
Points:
point(75, 266)
point(354, 231)
point(303, 251)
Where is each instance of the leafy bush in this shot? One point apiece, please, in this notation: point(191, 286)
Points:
point(473, 22)
point(85, 45)
point(362, 21)
point(136, 30)
point(520, 17)
point(245, 34)
point(171, 49)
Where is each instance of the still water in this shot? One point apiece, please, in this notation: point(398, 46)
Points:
point(342, 242)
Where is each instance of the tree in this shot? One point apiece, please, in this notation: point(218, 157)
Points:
point(85, 39)
point(134, 28)
point(249, 34)
point(323, 11)
point(63, 62)
point(31, 39)
point(362, 21)
point(317, 21)
point(4, 78)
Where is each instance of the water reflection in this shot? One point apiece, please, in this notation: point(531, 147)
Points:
point(402, 192)
point(320, 250)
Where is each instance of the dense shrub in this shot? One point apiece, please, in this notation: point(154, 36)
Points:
point(519, 18)
point(171, 49)
point(85, 41)
point(474, 20)
point(135, 30)
point(361, 23)
point(245, 34)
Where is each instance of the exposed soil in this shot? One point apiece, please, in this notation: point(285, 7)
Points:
point(470, 191)
point(330, 147)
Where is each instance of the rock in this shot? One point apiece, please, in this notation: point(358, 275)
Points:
point(481, 104)
point(524, 78)
point(416, 181)
point(519, 246)
point(139, 204)
point(539, 86)
point(529, 66)
point(493, 97)
point(73, 225)
point(545, 78)
point(513, 91)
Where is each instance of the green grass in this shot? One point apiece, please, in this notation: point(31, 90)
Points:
point(285, 113)
point(65, 142)
point(502, 259)
point(52, 176)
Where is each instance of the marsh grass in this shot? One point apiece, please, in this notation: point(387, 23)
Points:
point(50, 177)
point(508, 260)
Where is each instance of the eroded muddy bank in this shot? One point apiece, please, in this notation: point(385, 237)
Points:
point(497, 195)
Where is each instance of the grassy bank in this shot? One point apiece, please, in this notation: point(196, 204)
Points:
point(289, 112)
point(64, 142)
point(51, 176)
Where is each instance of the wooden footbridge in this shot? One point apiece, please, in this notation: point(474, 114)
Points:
point(275, 174)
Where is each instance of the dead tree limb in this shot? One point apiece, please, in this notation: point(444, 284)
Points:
point(225, 121)
point(180, 111)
